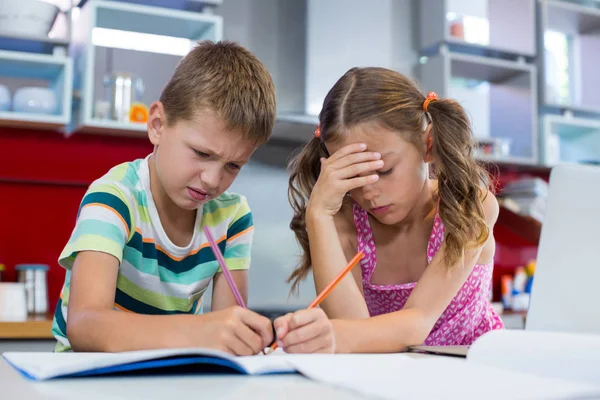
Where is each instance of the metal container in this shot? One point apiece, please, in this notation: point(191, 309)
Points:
point(122, 90)
point(34, 276)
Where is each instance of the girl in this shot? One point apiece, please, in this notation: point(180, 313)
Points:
point(391, 173)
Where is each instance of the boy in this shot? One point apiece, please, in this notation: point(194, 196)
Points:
point(137, 261)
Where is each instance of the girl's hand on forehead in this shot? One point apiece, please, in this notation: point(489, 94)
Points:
point(349, 168)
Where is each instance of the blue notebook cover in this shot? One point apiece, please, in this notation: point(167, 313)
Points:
point(44, 366)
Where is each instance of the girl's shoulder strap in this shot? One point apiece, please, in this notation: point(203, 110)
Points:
point(361, 218)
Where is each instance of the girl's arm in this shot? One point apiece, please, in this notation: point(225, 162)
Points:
point(328, 257)
point(349, 168)
point(435, 290)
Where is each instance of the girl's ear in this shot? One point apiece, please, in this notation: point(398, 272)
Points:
point(428, 138)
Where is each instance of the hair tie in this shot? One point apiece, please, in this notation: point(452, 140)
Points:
point(318, 131)
point(431, 96)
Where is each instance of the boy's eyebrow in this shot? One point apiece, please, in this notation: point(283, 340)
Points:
point(204, 149)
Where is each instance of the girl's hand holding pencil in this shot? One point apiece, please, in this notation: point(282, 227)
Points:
point(305, 331)
point(310, 331)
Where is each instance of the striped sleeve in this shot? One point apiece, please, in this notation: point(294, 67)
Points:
point(239, 238)
point(104, 223)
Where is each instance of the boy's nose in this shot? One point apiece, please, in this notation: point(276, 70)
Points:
point(211, 178)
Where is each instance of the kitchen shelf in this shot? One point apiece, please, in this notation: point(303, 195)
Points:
point(178, 4)
point(569, 39)
point(499, 96)
point(575, 140)
point(26, 120)
point(36, 38)
point(56, 73)
point(115, 128)
point(507, 26)
point(92, 60)
point(295, 128)
point(58, 37)
point(154, 20)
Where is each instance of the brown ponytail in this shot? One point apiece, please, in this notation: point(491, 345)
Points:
point(461, 181)
point(305, 167)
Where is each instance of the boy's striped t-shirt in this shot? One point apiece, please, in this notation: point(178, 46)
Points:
point(118, 216)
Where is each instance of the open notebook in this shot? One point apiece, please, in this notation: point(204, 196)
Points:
point(500, 365)
point(44, 366)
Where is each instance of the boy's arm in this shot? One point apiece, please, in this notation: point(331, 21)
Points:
point(93, 325)
point(222, 296)
point(237, 256)
point(94, 253)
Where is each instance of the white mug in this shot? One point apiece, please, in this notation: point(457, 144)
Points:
point(13, 301)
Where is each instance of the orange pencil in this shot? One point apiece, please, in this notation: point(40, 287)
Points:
point(325, 292)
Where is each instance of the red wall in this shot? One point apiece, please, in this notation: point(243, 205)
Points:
point(43, 177)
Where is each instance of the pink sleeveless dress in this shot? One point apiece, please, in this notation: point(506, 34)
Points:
point(469, 314)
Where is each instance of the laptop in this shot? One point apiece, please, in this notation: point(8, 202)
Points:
point(565, 294)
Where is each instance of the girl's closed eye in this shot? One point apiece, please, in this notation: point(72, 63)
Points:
point(386, 172)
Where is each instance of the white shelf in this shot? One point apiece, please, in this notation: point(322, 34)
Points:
point(486, 68)
point(154, 20)
point(91, 60)
point(43, 39)
point(499, 96)
point(573, 108)
point(578, 27)
point(307, 119)
point(110, 127)
point(57, 71)
point(31, 65)
point(27, 120)
point(511, 24)
point(166, 3)
point(578, 139)
point(297, 128)
point(569, 17)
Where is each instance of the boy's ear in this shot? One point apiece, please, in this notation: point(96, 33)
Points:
point(156, 122)
point(428, 154)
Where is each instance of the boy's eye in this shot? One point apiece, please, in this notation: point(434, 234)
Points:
point(233, 166)
point(387, 172)
point(201, 154)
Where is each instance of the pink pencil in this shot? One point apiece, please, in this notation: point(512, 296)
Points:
point(221, 261)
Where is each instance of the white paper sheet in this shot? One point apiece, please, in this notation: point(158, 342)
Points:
point(398, 376)
point(560, 355)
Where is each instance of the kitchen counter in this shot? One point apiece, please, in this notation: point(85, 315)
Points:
point(32, 328)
